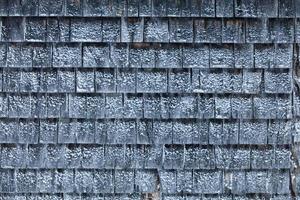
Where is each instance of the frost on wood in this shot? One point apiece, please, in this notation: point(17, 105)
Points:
point(149, 99)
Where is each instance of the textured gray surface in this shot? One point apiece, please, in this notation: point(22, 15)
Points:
point(149, 99)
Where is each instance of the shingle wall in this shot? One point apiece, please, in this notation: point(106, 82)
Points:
point(149, 99)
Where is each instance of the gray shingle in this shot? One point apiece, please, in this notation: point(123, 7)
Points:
point(207, 30)
point(92, 156)
point(114, 106)
point(173, 8)
point(126, 80)
point(68, 55)
point(77, 106)
point(124, 181)
point(168, 181)
point(92, 8)
point(28, 131)
point(168, 57)
point(114, 156)
point(73, 8)
point(152, 106)
point(72, 155)
point(191, 59)
point(184, 132)
point(45, 178)
point(153, 156)
point(144, 131)
point(132, 29)
point(240, 158)
point(29, 81)
point(206, 106)
point(111, 30)
point(85, 131)
point(95, 56)
point(252, 81)
point(35, 29)
point(8, 181)
point(3, 105)
point(11, 80)
point(83, 180)
point(183, 106)
point(66, 131)
point(181, 30)
point(265, 107)
point(184, 181)
point(162, 132)
point(146, 181)
point(133, 8)
point(235, 182)
point(280, 132)
point(13, 29)
point(282, 158)
point(283, 56)
point(19, 106)
point(66, 80)
point(207, 8)
point(207, 182)
point(241, 107)
point(26, 181)
point(221, 56)
point(121, 132)
point(159, 8)
point(150, 81)
point(145, 8)
point(119, 56)
point(103, 181)
point(255, 8)
point(86, 30)
point(256, 181)
point(41, 55)
point(105, 80)
point(282, 30)
point(262, 158)
point(286, 8)
point(257, 31)
point(57, 105)
point(85, 81)
point(253, 132)
point(222, 107)
point(179, 81)
point(54, 156)
point(278, 81)
point(243, 56)
point(173, 157)
point(279, 182)
point(53, 30)
point(64, 180)
point(233, 31)
point(19, 55)
point(8, 131)
point(224, 8)
point(156, 30)
point(229, 134)
point(284, 107)
point(133, 106)
point(64, 29)
point(48, 132)
point(142, 56)
point(199, 157)
point(56, 8)
point(13, 156)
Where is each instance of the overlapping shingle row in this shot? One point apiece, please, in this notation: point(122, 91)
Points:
point(149, 29)
point(118, 8)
